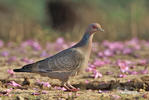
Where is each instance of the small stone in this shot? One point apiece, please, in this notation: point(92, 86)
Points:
point(141, 90)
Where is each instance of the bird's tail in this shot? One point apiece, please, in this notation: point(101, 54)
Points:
point(26, 68)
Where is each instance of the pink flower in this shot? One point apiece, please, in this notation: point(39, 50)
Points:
point(123, 66)
point(100, 54)
point(60, 44)
point(134, 43)
point(39, 93)
point(34, 44)
point(132, 72)
point(113, 45)
point(145, 71)
point(99, 63)
point(108, 53)
point(91, 68)
point(142, 62)
point(12, 59)
point(14, 84)
point(60, 40)
point(10, 71)
point(24, 44)
point(6, 92)
point(127, 51)
point(26, 60)
point(64, 89)
point(100, 91)
point(122, 75)
point(86, 81)
point(45, 84)
point(97, 74)
point(44, 92)
point(5, 53)
point(60, 88)
point(44, 54)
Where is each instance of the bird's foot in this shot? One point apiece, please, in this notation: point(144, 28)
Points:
point(75, 90)
point(70, 88)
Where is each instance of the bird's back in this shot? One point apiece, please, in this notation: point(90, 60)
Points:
point(67, 60)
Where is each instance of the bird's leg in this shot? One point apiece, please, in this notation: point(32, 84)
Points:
point(69, 87)
point(68, 84)
point(65, 85)
point(72, 87)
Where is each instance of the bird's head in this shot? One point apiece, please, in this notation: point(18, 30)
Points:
point(94, 27)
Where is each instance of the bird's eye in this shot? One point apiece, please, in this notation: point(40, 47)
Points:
point(94, 27)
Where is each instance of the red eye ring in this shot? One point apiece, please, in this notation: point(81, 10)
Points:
point(94, 27)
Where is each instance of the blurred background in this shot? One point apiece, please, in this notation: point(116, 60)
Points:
point(45, 20)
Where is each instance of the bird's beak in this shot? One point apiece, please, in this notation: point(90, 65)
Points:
point(100, 29)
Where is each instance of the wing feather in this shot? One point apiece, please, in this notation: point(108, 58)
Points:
point(67, 60)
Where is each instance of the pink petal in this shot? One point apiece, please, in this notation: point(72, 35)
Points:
point(60, 40)
point(60, 88)
point(13, 83)
point(122, 76)
point(99, 63)
point(35, 93)
point(97, 74)
point(86, 81)
point(127, 51)
point(44, 54)
point(142, 62)
point(5, 53)
point(12, 59)
point(26, 60)
point(145, 71)
point(132, 72)
point(10, 71)
point(44, 92)
point(46, 84)
point(108, 52)
point(100, 54)
point(100, 91)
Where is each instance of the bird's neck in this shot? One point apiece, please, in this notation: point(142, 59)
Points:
point(85, 45)
point(85, 41)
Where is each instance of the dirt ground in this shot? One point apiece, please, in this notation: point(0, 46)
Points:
point(110, 86)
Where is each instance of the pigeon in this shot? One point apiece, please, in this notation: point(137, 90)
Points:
point(68, 62)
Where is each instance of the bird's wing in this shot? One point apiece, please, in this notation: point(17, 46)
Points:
point(67, 60)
